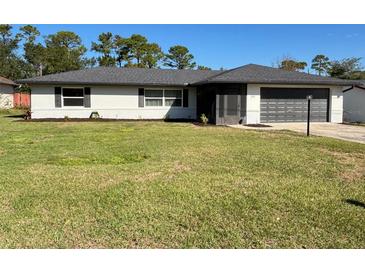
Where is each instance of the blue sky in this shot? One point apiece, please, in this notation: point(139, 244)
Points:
point(230, 46)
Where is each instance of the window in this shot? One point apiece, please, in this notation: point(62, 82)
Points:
point(160, 97)
point(173, 98)
point(153, 97)
point(73, 97)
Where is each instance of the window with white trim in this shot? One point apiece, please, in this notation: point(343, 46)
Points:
point(163, 97)
point(73, 97)
point(153, 97)
point(173, 97)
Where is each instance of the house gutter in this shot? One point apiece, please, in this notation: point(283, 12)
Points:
point(54, 83)
point(274, 83)
point(360, 87)
point(348, 89)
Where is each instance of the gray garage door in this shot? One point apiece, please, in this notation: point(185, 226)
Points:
point(290, 105)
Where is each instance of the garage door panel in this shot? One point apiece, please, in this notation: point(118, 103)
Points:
point(290, 105)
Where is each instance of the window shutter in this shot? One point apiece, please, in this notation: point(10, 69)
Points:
point(141, 97)
point(87, 99)
point(57, 97)
point(185, 98)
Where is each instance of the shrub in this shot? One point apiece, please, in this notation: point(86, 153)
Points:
point(28, 115)
point(94, 115)
point(204, 119)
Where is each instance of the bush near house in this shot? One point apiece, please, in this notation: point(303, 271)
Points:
point(176, 185)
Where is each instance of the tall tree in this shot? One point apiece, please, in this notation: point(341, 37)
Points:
point(292, 65)
point(131, 50)
point(90, 62)
point(106, 47)
point(200, 67)
point(34, 53)
point(11, 66)
point(122, 51)
point(179, 57)
point(348, 68)
point(137, 47)
point(64, 52)
point(136, 51)
point(320, 63)
point(152, 56)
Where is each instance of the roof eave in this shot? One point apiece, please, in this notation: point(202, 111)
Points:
point(98, 83)
point(8, 84)
point(336, 83)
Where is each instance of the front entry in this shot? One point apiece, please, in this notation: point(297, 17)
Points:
point(231, 104)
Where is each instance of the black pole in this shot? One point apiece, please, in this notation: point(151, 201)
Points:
point(309, 115)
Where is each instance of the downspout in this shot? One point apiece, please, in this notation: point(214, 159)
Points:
point(350, 88)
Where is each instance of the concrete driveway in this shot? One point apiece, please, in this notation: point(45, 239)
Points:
point(339, 131)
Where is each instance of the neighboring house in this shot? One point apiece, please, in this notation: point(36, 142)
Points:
point(249, 94)
point(6, 93)
point(354, 104)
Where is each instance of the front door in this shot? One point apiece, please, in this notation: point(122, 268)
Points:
point(231, 104)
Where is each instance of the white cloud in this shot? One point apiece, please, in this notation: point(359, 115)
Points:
point(352, 35)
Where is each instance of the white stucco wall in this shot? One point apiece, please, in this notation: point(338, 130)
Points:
point(253, 101)
point(112, 102)
point(253, 104)
point(354, 105)
point(336, 105)
point(6, 96)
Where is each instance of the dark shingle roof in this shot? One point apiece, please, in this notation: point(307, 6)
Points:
point(256, 74)
point(141, 76)
point(124, 76)
point(6, 81)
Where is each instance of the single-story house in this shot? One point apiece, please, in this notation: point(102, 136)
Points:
point(6, 92)
point(248, 94)
point(354, 104)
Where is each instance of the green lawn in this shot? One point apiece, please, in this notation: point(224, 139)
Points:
point(176, 185)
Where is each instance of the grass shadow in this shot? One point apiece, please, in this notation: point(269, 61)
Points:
point(15, 116)
point(354, 202)
point(167, 120)
point(257, 125)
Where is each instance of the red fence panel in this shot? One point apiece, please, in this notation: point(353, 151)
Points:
point(21, 99)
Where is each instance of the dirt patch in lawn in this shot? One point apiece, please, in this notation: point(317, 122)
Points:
point(114, 160)
point(146, 177)
point(180, 167)
point(354, 164)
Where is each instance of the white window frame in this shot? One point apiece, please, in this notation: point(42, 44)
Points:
point(170, 98)
point(158, 98)
point(78, 97)
point(164, 98)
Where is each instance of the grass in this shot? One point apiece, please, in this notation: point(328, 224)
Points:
point(176, 185)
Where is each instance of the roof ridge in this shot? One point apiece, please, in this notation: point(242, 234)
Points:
point(250, 73)
point(223, 72)
point(157, 69)
point(296, 72)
